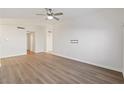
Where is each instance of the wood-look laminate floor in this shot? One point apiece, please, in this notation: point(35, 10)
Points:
point(45, 68)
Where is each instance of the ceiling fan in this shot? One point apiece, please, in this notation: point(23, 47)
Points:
point(50, 14)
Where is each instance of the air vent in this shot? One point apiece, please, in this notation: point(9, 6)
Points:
point(20, 27)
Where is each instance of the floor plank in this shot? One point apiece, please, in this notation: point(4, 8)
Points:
point(43, 68)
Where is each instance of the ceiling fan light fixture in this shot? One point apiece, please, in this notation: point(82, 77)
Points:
point(50, 17)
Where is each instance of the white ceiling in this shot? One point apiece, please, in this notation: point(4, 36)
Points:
point(31, 12)
point(19, 12)
point(28, 15)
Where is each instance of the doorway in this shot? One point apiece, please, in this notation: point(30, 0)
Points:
point(30, 43)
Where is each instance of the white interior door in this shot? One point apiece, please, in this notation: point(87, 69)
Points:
point(49, 46)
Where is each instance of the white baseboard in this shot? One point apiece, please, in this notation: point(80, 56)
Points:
point(84, 61)
point(13, 55)
point(39, 51)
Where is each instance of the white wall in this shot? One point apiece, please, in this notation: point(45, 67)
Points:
point(99, 35)
point(0, 41)
point(40, 39)
point(123, 43)
point(14, 41)
point(123, 52)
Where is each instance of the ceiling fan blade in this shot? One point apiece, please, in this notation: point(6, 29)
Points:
point(49, 10)
point(57, 14)
point(56, 18)
point(41, 14)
